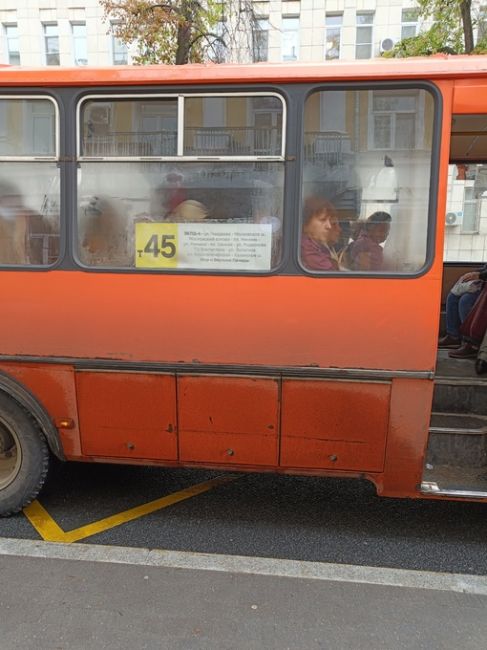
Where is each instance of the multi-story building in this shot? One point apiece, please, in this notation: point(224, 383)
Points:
point(76, 33)
point(57, 32)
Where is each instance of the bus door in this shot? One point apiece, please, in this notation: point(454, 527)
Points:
point(456, 460)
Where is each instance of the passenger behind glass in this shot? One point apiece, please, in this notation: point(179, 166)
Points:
point(321, 232)
point(365, 253)
point(188, 211)
point(24, 233)
point(103, 232)
point(166, 197)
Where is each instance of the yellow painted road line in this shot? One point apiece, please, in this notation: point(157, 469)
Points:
point(49, 530)
point(44, 523)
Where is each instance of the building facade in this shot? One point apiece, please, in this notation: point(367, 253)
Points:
point(71, 32)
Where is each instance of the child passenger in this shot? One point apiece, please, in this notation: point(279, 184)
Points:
point(366, 252)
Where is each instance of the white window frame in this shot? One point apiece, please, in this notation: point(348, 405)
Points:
point(366, 25)
point(262, 27)
point(288, 30)
point(418, 112)
point(474, 201)
point(113, 49)
point(75, 39)
point(333, 28)
point(8, 39)
point(45, 38)
point(409, 23)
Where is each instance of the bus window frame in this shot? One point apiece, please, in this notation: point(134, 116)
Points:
point(55, 157)
point(118, 93)
point(40, 93)
point(432, 221)
point(180, 156)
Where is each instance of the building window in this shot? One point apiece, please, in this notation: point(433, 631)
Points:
point(333, 36)
point(119, 51)
point(260, 40)
point(80, 48)
point(394, 119)
point(51, 43)
point(290, 39)
point(470, 210)
point(217, 51)
point(12, 40)
point(409, 23)
point(482, 24)
point(217, 48)
point(364, 35)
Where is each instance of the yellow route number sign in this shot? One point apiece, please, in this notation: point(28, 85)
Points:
point(204, 246)
point(156, 245)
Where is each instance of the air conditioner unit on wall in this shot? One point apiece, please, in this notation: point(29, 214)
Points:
point(386, 44)
point(454, 218)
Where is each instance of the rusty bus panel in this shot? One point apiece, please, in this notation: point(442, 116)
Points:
point(334, 424)
point(232, 420)
point(127, 415)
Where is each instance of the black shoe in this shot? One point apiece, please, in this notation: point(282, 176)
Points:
point(481, 367)
point(466, 351)
point(449, 342)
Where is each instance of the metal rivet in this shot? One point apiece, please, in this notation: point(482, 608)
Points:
point(230, 452)
point(333, 457)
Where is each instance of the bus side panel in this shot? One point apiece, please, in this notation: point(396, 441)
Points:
point(318, 328)
point(408, 435)
point(230, 420)
point(127, 415)
point(334, 424)
point(54, 387)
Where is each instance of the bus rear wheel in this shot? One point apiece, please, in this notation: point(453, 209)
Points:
point(24, 457)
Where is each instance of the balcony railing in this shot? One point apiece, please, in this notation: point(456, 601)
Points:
point(326, 148)
point(198, 141)
point(128, 144)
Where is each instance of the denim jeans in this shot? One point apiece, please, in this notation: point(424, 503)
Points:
point(457, 309)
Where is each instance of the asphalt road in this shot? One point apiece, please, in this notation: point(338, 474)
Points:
point(298, 518)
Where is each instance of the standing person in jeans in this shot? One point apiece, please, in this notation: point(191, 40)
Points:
point(458, 308)
point(481, 363)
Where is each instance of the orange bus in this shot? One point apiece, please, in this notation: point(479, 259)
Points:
point(192, 274)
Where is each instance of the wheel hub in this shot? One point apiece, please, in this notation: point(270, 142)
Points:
point(10, 457)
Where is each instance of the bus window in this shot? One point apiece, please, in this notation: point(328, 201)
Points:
point(29, 182)
point(367, 158)
point(125, 127)
point(229, 126)
point(223, 213)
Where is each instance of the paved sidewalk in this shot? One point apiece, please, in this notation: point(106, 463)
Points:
point(47, 603)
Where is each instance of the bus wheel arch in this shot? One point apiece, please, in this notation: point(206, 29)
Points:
point(27, 436)
point(26, 400)
point(24, 456)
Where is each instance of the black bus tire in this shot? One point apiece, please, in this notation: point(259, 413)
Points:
point(24, 457)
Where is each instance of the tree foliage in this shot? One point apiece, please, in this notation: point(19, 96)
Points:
point(173, 31)
point(451, 32)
